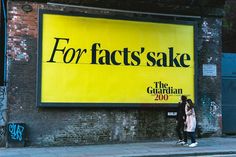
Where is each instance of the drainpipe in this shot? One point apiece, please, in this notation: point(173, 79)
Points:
point(5, 42)
point(3, 109)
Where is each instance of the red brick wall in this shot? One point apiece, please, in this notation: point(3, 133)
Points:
point(21, 24)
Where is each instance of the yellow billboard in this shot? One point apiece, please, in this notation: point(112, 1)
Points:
point(94, 61)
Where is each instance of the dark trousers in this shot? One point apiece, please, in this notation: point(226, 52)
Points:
point(182, 135)
point(192, 136)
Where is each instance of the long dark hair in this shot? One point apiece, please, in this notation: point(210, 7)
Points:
point(190, 102)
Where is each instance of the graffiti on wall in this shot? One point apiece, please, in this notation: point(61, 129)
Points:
point(3, 114)
point(3, 106)
point(16, 132)
point(211, 115)
point(214, 109)
point(211, 32)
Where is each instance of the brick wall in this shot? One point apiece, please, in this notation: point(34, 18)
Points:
point(78, 126)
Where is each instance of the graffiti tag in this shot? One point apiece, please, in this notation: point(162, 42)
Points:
point(214, 108)
point(16, 131)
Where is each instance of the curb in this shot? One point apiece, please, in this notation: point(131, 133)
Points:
point(233, 152)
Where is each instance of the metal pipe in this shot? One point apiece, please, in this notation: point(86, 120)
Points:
point(5, 46)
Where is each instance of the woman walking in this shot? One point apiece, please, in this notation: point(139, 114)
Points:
point(190, 122)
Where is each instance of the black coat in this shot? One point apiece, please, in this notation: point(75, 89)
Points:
point(181, 116)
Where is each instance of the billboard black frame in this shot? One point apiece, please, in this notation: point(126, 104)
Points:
point(183, 21)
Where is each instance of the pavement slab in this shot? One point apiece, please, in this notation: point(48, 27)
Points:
point(207, 146)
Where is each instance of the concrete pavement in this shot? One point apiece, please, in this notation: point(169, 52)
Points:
point(207, 146)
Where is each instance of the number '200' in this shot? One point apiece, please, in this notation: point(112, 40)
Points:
point(161, 97)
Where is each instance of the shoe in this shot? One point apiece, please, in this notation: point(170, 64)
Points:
point(180, 142)
point(185, 144)
point(193, 144)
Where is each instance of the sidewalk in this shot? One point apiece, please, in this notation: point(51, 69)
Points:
point(210, 146)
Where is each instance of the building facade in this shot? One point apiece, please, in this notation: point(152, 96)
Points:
point(58, 126)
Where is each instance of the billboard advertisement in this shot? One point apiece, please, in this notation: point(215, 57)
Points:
point(100, 61)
